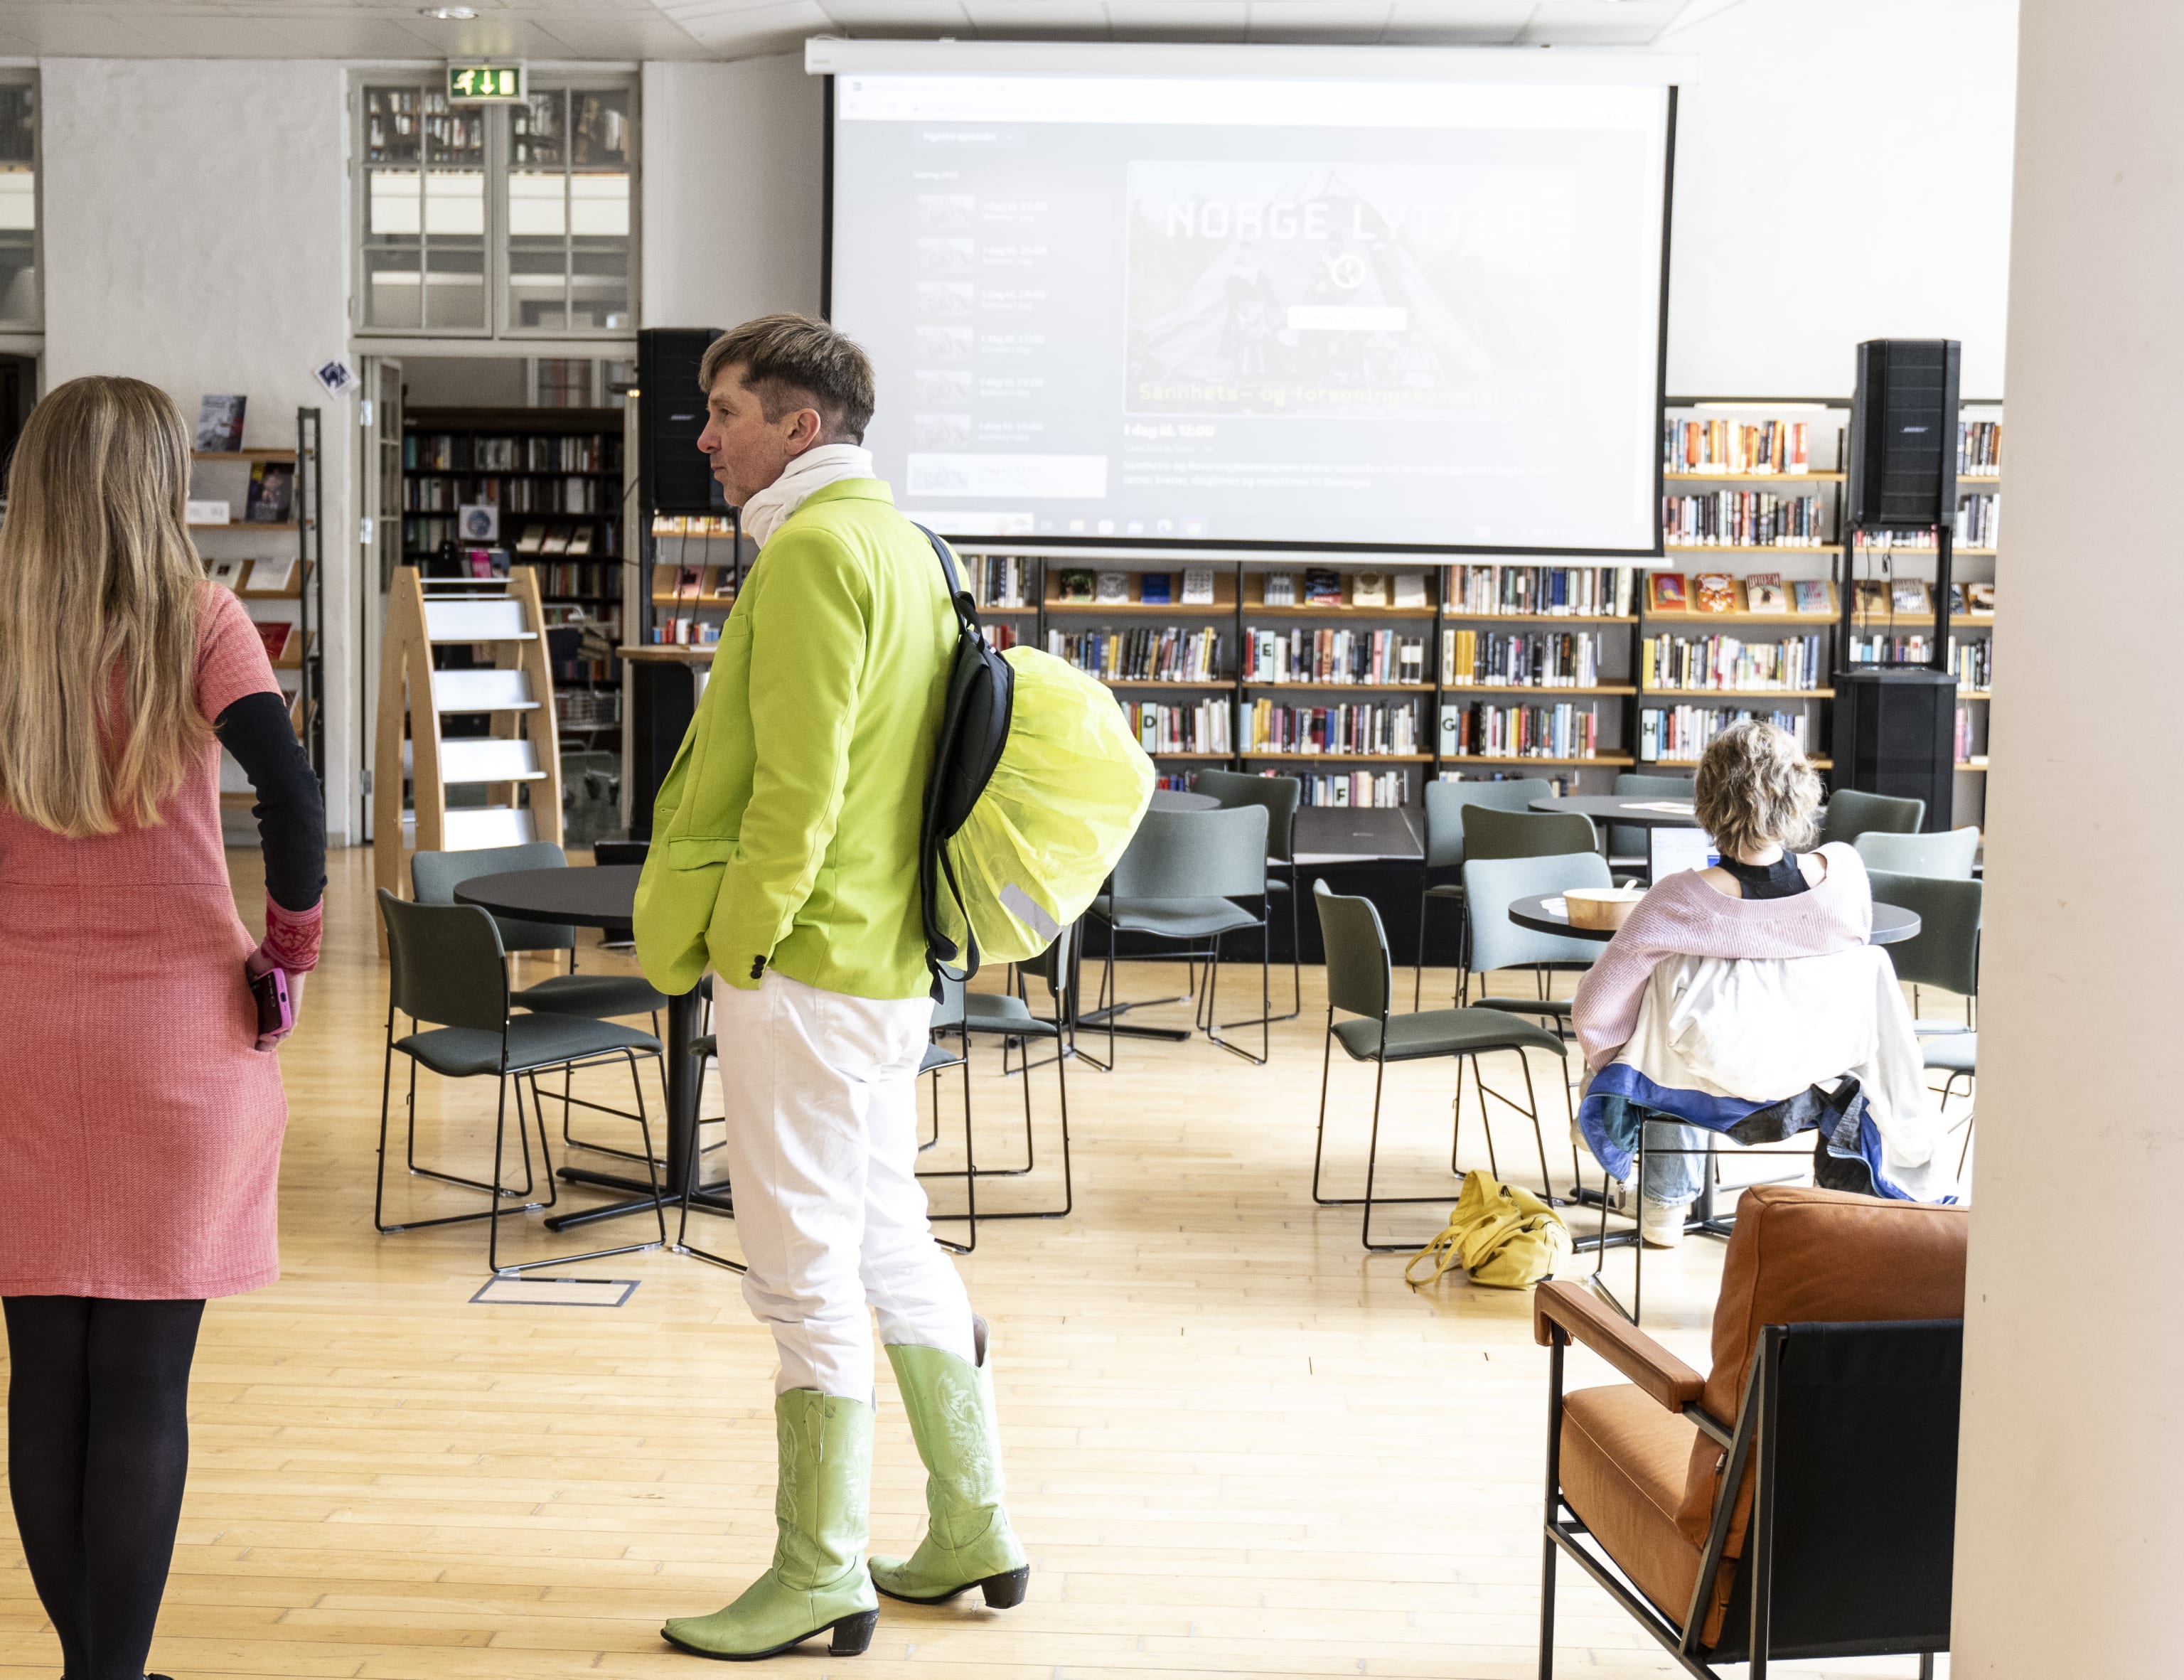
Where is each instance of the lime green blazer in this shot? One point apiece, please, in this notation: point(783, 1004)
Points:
point(786, 833)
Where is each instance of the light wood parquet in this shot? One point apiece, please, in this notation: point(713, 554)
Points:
point(1236, 1444)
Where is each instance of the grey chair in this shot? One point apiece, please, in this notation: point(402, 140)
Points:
point(1945, 953)
point(1008, 1015)
point(1947, 857)
point(1627, 846)
point(1851, 814)
point(1178, 882)
point(447, 972)
point(1446, 801)
point(1359, 984)
point(1493, 885)
point(1280, 795)
point(1494, 837)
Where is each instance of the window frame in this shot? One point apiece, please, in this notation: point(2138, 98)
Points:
point(499, 322)
point(27, 76)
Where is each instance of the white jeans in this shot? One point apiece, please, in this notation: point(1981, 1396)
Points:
point(821, 1094)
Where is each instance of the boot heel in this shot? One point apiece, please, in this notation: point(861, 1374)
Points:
point(1006, 1592)
point(852, 1633)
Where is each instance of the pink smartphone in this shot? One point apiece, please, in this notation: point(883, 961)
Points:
point(277, 1014)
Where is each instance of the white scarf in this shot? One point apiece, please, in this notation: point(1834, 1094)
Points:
point(827, 464)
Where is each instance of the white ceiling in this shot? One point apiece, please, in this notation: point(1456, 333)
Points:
point(547, 29)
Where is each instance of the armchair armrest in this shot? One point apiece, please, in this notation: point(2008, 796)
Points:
point(1574, 1311)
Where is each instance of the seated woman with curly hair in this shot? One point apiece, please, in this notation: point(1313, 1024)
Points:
point(1758, 796)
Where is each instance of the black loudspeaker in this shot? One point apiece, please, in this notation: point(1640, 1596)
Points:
point(1903, 435)
point(671, 476)
point(1896, 734)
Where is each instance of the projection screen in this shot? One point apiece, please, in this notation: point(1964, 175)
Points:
point(1407, 307)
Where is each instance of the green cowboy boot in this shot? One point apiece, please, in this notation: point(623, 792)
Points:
point(968, 1541)
point(818, 1580)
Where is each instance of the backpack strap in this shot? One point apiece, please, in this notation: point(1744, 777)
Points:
point(959, 597)
point(935, 865)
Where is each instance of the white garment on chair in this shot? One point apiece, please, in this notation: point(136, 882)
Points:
point(820, 1090)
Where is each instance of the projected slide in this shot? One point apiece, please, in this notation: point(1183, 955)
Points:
point(1257, 312)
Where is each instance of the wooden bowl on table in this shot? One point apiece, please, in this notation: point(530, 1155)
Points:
point(1600, 907)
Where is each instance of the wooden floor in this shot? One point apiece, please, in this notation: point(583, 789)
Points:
point(1236, 1445)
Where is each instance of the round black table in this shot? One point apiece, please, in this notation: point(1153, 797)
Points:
point(606, 897)
point(1635, 809)
point(1891, 923)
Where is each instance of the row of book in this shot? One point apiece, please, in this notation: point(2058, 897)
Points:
point(1147, 656)
point(1972, 659)
point(512, 495)
point(1360, 790)
point(1964, 753)
point(1977, 525)
point(1680, 734)
point(561, 580)
point(1003, 579)
point(1199, 728)
point(1742, 519)
point(999, 637)
point(683, 630)
point(268, 575)
point(1978, 448)
point(1726, 662)
point(1080, 586)
point(1322, 586)
point(1545, 659)
point(1723, 592)
point(708, 526)
point(693, 586)
point(1564, 730)
point(1362, 657)
point(580, 538)
point(1731, 446)
point(269, 500)
point(1365, 731)
point(1913, 597)
point(585, 708)
point(1582, 591)
point(454, 452)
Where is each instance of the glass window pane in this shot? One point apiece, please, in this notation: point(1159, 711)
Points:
point(455, 134)
point(598, 128)
point(18, 205)
point(535, 132)
point(537, 204)
point(393, 201)
point(454, 285)
point(392, 130)
point(600, 205)
point(599, 288)
point(393, 285)
point(454, 202)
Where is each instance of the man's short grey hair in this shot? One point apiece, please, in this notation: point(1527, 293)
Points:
point(1755, 788)
point(792, 361)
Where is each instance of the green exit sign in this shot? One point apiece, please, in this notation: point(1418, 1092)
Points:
point(484, 84)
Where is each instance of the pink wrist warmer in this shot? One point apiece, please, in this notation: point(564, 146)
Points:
point(292, 936)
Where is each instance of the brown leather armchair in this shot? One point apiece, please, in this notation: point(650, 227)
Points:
point(1800, 1501)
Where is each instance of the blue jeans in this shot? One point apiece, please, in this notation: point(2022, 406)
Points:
point(1673, 1179)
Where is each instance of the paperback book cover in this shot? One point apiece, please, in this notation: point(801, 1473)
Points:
point(1871, 600)
point(1911, 595)
point(1322, 587)
point(1153, 589)
point(1198, 586)
point(580, 540)
point(272, 488)
point(1670, 592)
point(530, 541)
point(1410, 589)
point(1075, 584)
point(557, 541)
point(274, 634)
point(1114, 588)
point(227, 574)
point(272, 575)
point(1281, 588)
point(1811, 595)
point(1369, 589)
point(1979, 597)
point(1763, 593)
point(220, 424)
point(1716, 592)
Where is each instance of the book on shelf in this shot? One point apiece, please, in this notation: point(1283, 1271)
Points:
point(1810, 595)
point(1713, 592)
point(271, 499)
point(1541, 659)
point(1909, 596)
point(1359, 789)
point(580, 540)
point(1153, 589)
point(1169, 655)
point(1979, 521)
point(724, 584)
point(276, 634)
point(1355, 657)
point(1478, 729)
point(1113, 588)
point(1410, 589)
point(1199, 728)
point(272, 574)
point(1978, 448)
point(1743, 519)
point(557, 541)
point(1322, 587)
point(1001, 579)
point(208, 511)
point(483, 563)
point(532, 540)
point(1763, 593)
point(1668, 592)
point(1366, 729)
point(1979, 598)
point(227, 574)
point(1074, 583)
point(999, 637)
point(1539, 591)
point(1727, 663)
point(1368, 589)
point(1280, 588)
point(1728, 446)
point(1680, 734)
point(1869, 598)
point(1198, 586)
point(220, 424)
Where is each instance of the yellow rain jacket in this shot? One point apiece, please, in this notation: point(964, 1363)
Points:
point(786, 834)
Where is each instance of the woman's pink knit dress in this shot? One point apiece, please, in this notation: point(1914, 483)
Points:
point(140, 1131)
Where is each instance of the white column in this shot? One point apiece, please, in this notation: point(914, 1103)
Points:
point(2071, 1507)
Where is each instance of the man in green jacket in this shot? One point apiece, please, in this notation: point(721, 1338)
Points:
point(784, 860)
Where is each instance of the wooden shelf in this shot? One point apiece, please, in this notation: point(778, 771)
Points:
point(1016, 612)
point(243, 454)
point(1913, 621)
point(1155, 683)
point(1972, 766)
point(1769, 548)
point(246, 525)
point(1692, 763)
point(1974, 694)
point(1344, 757)
point(1740, 694)
point(1682, 620)
point(1209, 758)
point(1753, 477)
point(1454, 613)
point(1925, 548)
point(1452, 690)
point(1340, 688)
point(1605, 761)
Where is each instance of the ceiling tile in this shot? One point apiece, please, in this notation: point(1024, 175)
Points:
point(358, 36)
point(899, 17)
point(1339, 20)
point(1457, 22)
point(1199, 19)
point(1084, 20)
point(1599, 22)
point(633, 37)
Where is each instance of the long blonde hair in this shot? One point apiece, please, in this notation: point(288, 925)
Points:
point(99, 590)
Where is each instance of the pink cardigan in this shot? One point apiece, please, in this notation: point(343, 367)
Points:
point(1684, 916)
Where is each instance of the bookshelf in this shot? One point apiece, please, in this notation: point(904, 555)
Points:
point(280, 582)
point(554, 479)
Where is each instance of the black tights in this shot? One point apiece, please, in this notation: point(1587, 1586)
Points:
point(98, 1444)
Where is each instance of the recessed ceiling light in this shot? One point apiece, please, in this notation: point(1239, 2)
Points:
point(447, 14)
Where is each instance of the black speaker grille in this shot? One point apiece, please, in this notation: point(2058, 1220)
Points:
point(1903, 433)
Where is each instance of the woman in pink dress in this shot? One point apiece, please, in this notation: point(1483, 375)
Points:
point(140, 1144)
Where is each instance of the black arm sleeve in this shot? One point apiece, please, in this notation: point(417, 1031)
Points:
point(291, 811)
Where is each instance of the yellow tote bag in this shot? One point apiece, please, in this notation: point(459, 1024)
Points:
point(1501, 1235)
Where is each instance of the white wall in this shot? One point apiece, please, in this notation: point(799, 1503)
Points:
point(734, 171)
point(1842, 172)
point(196, 236)
point(2070, 1486)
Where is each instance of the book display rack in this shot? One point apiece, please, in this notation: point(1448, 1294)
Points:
point(254, 515)
point(486, 491)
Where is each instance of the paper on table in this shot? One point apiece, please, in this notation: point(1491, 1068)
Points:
point(1669, 805)
point(1556, 908)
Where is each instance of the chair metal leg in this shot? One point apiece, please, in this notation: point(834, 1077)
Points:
point(651, 1173)
point(1418, 967)
point(1213, 986)
point(683, 1245)
point(970, 1166)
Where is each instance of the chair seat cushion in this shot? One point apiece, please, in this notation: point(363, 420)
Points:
point(1624, 1459)
point(540, 1040)
point(1557, 1006)
point(1174, 917)
point(599, 996)
point(1003, 1011)
point(937, 1058)
point(1445, 889)
point(1442, 1032)
point(1952, 1053)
